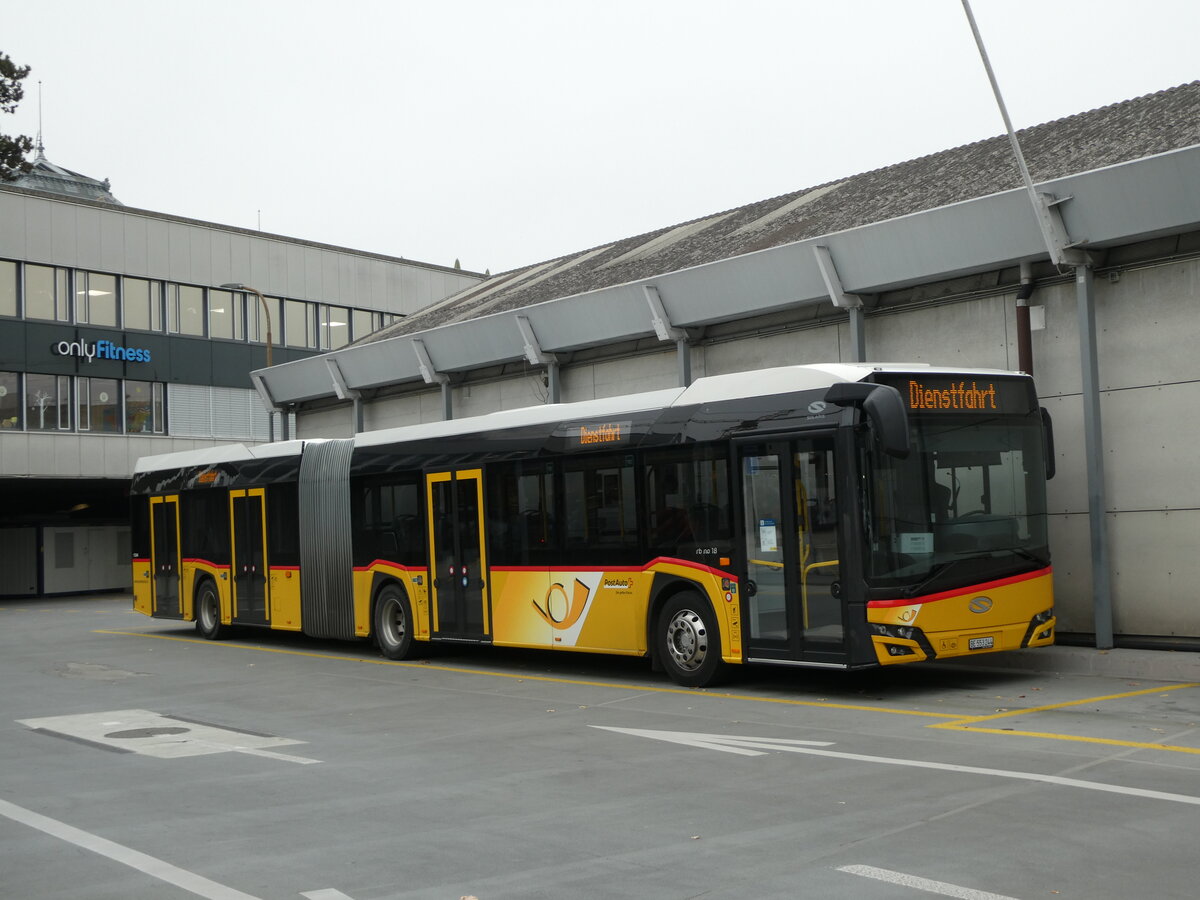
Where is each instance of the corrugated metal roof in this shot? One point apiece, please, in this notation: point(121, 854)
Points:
point(1133, 129)
point(1131, 171)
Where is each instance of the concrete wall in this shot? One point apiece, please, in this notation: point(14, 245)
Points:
point(86, 558)
point(134, 242)
point(67, 455)
point(1147, 320)
point(18, 562)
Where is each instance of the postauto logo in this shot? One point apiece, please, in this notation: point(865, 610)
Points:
point(93, 350)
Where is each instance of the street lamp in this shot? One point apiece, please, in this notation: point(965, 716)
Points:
point(266, 311)
point(232, 286)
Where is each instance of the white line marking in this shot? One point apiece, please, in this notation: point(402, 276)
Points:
point(731, 745)
point(156, 868)
point(326, 894)
point(165, 737)
point(270, 754)
point(750, 746)
point(922, 884)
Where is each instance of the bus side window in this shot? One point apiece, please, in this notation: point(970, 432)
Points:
point(387, 517)
point(521, 528)
point(687, 498)
point(599, 502)
point(283, 525)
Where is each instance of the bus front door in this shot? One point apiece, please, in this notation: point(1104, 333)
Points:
point(248, 525)
point(458, 569)
point(793, 599)
point(166, 599)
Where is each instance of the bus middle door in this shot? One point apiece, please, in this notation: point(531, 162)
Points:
point(165, 564)
point(248, 526)
point(458, 563)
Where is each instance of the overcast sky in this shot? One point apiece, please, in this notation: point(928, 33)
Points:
point(509, 132)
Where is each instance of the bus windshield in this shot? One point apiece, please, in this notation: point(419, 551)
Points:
point(967, 505)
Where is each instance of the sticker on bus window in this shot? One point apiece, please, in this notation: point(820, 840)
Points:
point(916, 542)
point(768, 542)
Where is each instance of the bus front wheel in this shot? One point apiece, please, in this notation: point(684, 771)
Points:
point(208, 612)
point(393, 623)
point(689, 641)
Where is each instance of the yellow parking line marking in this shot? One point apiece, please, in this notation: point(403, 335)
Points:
point(1045, 735)
point(691, 692)
point(971, 723)
point(1036, 709)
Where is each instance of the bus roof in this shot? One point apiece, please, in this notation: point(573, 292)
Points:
point(210, 456)
point(710, 389)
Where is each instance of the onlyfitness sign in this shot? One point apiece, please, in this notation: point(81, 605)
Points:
point(93, 350)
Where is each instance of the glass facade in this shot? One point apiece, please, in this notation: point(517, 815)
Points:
point(188, 309)
point(46, 294)
point(47, 402)
point(361, 323)
point(335, 327)
point(10, 400)
point(144, 407)
point(261, 324)
point(99, 404)
point(36, 401)
point(298, 325)
point(143, 304)
point(39, 402)
point(221, 316)
point(96, 299)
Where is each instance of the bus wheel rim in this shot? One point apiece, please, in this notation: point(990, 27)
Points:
point(393, 619)
point(687, 640)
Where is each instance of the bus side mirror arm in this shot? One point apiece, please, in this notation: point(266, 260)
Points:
point(884, 407)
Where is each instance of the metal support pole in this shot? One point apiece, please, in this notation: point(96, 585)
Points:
point(683, 352)
point(1024, 336)
point(858, 338)
point(1094, 451)
point(851, 303)
point(358, 413)
point(553, 382)
point(284, 425)
point(447, 400)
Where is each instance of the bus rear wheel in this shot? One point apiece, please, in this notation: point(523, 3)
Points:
point(689, 641)
point(393, 623)
point(208, 612)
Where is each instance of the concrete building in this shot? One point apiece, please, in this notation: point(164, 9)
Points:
point(121, 337)
point(936, 260)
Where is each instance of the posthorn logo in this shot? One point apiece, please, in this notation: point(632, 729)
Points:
point(93, 350)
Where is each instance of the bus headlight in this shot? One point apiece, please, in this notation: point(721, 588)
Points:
point(1041, 628)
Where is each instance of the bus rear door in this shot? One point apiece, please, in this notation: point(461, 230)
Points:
point(793, 605)
point(458, 562)
point(166, 600)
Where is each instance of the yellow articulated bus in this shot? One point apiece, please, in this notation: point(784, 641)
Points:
point(838, 516)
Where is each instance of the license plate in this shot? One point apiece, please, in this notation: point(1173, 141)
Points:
point(981, 643)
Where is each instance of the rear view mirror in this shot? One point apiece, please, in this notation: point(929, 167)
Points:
point(884, 408)
point(1048, 431)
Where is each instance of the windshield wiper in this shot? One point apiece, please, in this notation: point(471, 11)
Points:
point(922, 587)
point(1025, 554)
point(939, 572)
